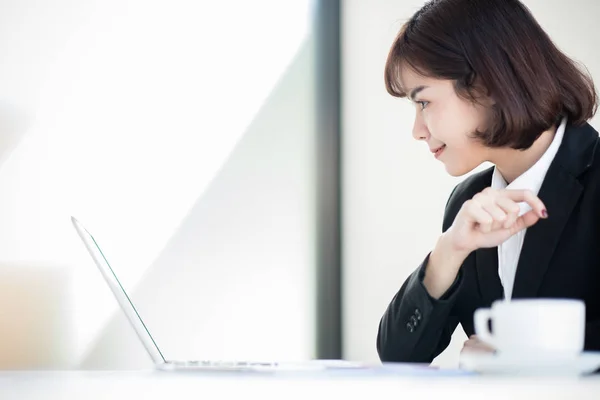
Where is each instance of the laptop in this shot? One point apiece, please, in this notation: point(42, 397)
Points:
point(163, 364)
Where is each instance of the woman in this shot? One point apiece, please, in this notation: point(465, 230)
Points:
point(488, 84)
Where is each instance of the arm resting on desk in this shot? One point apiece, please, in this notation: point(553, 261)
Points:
point(416, 327)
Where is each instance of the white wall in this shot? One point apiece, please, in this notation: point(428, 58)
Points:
point(133, 111)
point(394, 191)
point(236, 280)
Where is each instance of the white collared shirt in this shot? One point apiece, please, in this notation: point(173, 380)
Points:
point(510, 250)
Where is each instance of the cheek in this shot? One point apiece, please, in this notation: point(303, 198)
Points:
point(460, 123)
point(452, 121)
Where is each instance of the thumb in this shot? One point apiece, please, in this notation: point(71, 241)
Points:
point(528, 219)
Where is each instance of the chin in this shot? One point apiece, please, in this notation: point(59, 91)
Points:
point(458, 170)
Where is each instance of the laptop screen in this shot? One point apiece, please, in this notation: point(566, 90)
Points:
point(119, 292)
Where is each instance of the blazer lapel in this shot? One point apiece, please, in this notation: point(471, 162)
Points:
point(487, 274)
point(560, 196)
point(559, 192)
point(486, 262)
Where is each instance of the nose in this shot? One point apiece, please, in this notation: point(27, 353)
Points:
point(420, 131)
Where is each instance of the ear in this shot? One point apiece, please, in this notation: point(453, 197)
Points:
point(480, 97)
point(481, 93)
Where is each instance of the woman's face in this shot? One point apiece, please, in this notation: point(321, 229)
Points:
point(446, 122)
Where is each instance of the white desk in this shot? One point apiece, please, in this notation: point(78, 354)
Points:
point(166, 385)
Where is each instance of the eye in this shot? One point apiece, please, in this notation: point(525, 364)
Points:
point(423, 104)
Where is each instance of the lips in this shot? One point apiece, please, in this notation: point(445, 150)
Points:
point(438, 151)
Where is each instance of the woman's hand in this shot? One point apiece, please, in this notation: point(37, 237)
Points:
point(491, 217)
point(474, 344)
point(487, 220)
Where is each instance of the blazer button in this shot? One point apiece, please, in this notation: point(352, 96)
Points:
point(410, 327)
point(418, 314)
point(414, 320)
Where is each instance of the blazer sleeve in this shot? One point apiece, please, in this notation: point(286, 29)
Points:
point(416, 327)
point(592, 336)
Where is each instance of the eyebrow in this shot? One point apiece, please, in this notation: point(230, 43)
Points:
point(416, 91)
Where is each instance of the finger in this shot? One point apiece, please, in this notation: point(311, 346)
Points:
point(525, 221)
point(478, 215)
point(489, 205)
point(487, 200)
point(471, 342)
point(473, 346)
point(474, 339)
point(477, 349)
point(485, 228)
point(476, 344)
point(467, 345)
point(484, 346)
point(511, 208)
point(528, 197)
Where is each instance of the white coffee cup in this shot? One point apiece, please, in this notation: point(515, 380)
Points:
point(533, 327)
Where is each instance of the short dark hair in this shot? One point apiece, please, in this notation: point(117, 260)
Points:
point(495, 48)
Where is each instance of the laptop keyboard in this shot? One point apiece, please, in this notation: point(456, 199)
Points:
point(221, 364)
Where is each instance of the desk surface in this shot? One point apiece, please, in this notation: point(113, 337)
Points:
point(167, 385)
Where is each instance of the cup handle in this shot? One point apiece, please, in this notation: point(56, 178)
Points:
point(482, 317)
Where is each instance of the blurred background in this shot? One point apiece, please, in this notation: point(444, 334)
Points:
point(255, 188)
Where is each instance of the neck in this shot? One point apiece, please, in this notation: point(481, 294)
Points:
point(513, 163)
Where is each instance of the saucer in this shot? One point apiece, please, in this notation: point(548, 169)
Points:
point(490, 363)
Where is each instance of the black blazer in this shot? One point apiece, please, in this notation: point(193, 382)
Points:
point(560, 258)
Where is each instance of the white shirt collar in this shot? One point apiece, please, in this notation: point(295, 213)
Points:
point(533, 178)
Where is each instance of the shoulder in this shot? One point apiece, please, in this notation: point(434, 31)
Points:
point(590, 178)
point(464, 191)
point(583, 159)
point(594, 150)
